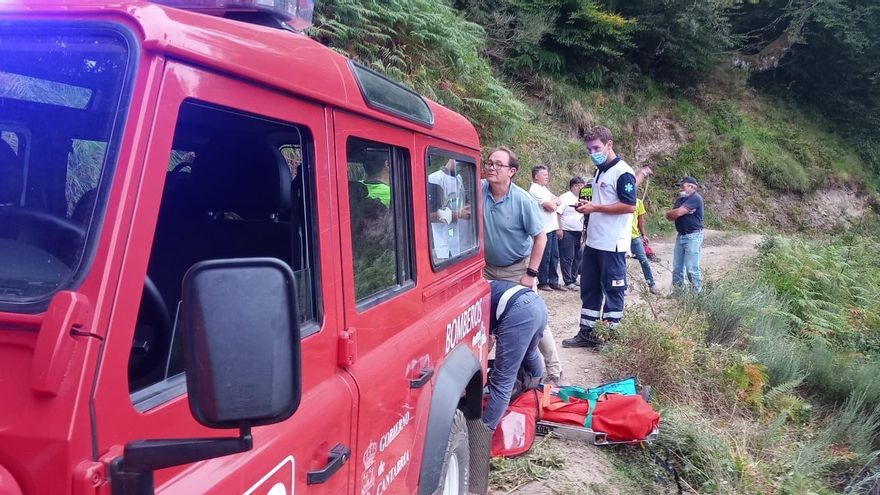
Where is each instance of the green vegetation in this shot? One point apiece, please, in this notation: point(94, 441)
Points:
point(768, 380)
point(533, 74)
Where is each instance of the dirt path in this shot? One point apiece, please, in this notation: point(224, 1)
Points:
point(587, 469)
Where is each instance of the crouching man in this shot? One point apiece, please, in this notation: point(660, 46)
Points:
point(517, 322)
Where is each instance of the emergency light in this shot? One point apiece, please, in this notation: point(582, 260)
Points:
point(295, 13)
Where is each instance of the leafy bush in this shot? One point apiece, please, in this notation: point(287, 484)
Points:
point(656, 354)
point(832, 291)
point(429, 46)
point(679, 40)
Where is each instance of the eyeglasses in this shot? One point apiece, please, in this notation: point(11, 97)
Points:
point(497, 164)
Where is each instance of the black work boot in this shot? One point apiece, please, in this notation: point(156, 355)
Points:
point(582, 339)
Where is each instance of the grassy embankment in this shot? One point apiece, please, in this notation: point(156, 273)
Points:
point(768, 381)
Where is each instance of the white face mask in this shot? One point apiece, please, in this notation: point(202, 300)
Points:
point(683, 194)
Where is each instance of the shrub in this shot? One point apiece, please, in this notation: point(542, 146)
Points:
point(429, 46)
point(705, 459)
point(659, 355)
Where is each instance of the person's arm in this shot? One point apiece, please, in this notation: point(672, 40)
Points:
point(626, 195)
point(641, 223)
point(687, 207)
point(618, 208)
point(550, 204)
point(538, 244)
point(643, 174)
point(679, 212)
point(559, 232)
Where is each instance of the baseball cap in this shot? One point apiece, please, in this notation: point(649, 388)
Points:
point(687, 180)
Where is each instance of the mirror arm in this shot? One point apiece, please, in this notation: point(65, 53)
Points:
point(133, 472)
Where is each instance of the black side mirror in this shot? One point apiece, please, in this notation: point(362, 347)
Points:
point(241, 346)
point(241, 342)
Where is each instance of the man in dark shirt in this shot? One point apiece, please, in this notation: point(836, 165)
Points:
point(687, 213)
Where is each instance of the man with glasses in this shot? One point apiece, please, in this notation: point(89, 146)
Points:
point(515, 238)
point(511, 223)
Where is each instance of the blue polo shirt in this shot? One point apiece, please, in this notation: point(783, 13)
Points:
point(509, 225)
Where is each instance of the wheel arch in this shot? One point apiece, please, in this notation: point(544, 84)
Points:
point(459, 385)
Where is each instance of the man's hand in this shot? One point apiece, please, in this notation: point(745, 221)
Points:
point(527, 280)
point(464, 212)
point(559, 234)
point(586, 207)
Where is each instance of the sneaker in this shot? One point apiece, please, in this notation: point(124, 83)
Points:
point(572, 287)
point(558, 287)
point(581, 341)
point(544, 287)
point(654, 290)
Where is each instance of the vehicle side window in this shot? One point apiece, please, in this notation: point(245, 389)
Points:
point(380, 200)
point(83, 172)
point(452, 220)
point(12, 167)
point(229, 193)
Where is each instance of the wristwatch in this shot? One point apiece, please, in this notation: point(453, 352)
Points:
point(531, 273)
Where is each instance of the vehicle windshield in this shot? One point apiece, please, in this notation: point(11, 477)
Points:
point(61, 109)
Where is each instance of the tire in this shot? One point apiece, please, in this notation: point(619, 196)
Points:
point(456, 463)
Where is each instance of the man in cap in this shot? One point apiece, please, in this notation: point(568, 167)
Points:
point(687, 213)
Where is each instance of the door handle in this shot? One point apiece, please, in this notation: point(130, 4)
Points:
point(420, 382)
point(338, 456)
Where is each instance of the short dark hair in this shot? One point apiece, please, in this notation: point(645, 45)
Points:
point(538, 168)
point(374, 162)
point(576, 180)
point(513, 161)
point(598, 132)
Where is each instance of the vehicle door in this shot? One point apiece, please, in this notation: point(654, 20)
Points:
point(389, 350)
point(232, 170)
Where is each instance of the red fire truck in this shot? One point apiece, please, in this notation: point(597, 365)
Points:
point(231, 259)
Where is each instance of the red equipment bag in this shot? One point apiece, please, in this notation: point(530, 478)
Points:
point(648, 251)
point(515, 433)
point(559, 411)
point(625, 418)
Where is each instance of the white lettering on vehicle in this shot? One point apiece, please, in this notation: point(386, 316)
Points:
point(480, 339)
point(392, 473)
point(395, 430)
point(463, 324)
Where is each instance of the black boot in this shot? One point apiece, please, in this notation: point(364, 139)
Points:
point(582, 339)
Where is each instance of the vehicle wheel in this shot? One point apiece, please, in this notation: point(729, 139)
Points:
point(456, 462)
